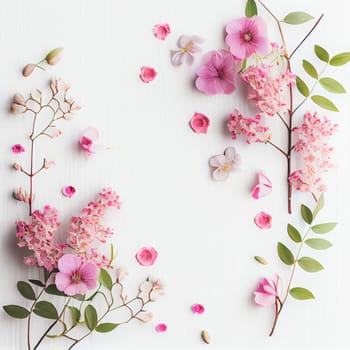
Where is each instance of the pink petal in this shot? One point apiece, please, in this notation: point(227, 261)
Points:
point(264, 299)
point(91, 133)
point(217, 161)
point(161, 327)
point(69, 263)
point(62, 281)
point(197, 308)
point(88, 271)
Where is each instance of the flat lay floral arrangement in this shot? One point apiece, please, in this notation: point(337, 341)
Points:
point(81, 290)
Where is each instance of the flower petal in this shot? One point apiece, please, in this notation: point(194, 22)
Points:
point(69, 263)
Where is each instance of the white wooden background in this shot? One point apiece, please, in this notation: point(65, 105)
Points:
point(204, 231)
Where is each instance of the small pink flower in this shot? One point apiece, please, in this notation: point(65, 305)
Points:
point(49, 163)
point(68, 191)
point(224, 163)
point(75, 275)
point(161, 31)
point(188, 48)
point(197, 308)
point(247, 36)
point(146, 256)
point(17, 148)
point(87, 141)
point(147, 74)
point(199, 123)
point(161, 327)
point(145, 317)
point(263, 220)
point(267, 291)
point(263, 187)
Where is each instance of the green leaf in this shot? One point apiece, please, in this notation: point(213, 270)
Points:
point(79, 297)
point(106, 327)
point(260, 260)
point(297, 17)
point(306, 214)
point(244, 65)
point(45, 309)
point(37, 283)
point(310, 69)
point(324, 228)
point(75, 314)
point(26, 290)
point(301, 293)
point(318, 243)
point(90, 316)
point(340, 59)
point(293, 233)
point(105, 279)
point(309, 264)
point(319, 205)
point(251, 9)
point(332, 85)
point(16, 311)
point(285, 254)
point(324, 103)
point(302, 87)
point(52, 289)
point(321, 53)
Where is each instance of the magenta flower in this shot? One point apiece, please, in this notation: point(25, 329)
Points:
point(217, 73)
point(188, 47)
point(87, 141)
point(224, 163)
point(75, 275)
point(197, 308)
point(146, 256)
point(263, 220)
point(161, 31)
point(147, 74)
point(17, 148)
point(161, 327)
point(69, 191)
point(267, 291)
point(263, 186)
point(247, 36)
point(199, 123)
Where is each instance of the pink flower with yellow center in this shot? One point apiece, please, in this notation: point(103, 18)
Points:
point(224, 163)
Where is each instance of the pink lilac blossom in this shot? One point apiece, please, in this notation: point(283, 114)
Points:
point(147, 74)
point(263, 220)
point(225, 163)
point(75, 275)
point(161, 327)
point(217, 74)
point(247, 36)
point(188, 48)
point(313, 138)
point(69, 191)
point(17, 148)
point(263, 186)
point(199, 123)
point(251, 128)
point(267, 291)
point(161, 31)
point(146, 256)
point(197, 308)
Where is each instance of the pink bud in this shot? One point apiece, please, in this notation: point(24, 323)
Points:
point(54, 56)
point(16, 166)
point(28, 69)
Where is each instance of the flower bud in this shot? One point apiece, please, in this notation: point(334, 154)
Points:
point(28, 69)
point(54, 56)
point(49, 163)
point(18, 104)
point(16, 166)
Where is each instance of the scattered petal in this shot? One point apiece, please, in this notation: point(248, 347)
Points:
point(197, 308)
point(225, 163)
point(147, 74)
point(263, 186)
point(188, 48)
point(87, 142)
point(199, 123)
point(263, 220)
point(161, 31)
point(146, 256)
point(68, 191)
point(161, 327)
point(17, 148)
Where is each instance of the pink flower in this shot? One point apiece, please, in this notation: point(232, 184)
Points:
point(199, 123)
point(145, 317)
point(68, 191)
point(197, 308)
point(189, 46)
point(247, 36)
point(161, 327)
point(217, 73)
point(267, 291)
point(75, 275)
point(147, 74)
point(161, 31)
point(87, 142)
point(17, 148)
point(263, 187)
point(146, 256)
point(224, 163)
point(263, 220)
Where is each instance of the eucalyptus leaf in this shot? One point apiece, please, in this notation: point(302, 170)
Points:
point(319, 205)
point(297, 17)
point(90, 316)
point(301, 293)
point(340, 59)
point(45, 309)
point(324, 103)
point(251, 8)
point(52, 289)
point(106, 327)
point(306, 214)
point(321, 53)
point(310, 264)
point(16, 311)
point(332, 85)
point(285, 254)
point(302, 87)
point(324, 228)
point(310, 69)
point(293, 233)
point(37, 283)
point(75, 314)
point(260, 260)
point(318, 243)
point(105, 279)
point(26, 290)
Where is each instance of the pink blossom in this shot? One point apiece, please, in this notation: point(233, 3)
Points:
point(88, 141)
point(247, 36)
point(267, 291)
point(263, 220)
point(199, 123)
point(225, 163)
point(145, 317)
point(146, 256)
point(147, 74)
point(263, 186)
point(17, 148)
point(18, 104)
point(161, 31)
point(68, 191)
point(217, 74)
point(161, 327)
point(75, 275)
point(197, 308)
point(188, 48)
point(20, 194)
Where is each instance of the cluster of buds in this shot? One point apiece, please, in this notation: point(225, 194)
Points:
point(21, 195)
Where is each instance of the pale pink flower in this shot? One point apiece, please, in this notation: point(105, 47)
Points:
point(161, 31)
point(263, 220)
point(199, 123)
point(146, 256)
point(217, 74)
point(225, 163)
point(145, 316)
point(69, 191)
point(17, 148)
point(161, 327)
point(49, 163)
point(121, 274)
point(247, 36)
point(88, 141)
point(18, 104)
point(263, 186)
point(147, 74)
point(28, 69)
point(75, 275)
point(267, 291)
point(197, 308)
point(21, 195)
point(188, 48)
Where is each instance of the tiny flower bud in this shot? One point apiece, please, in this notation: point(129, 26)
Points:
point(28, 69)
point(16, 166)
point(54, 56)
point(49, 163)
